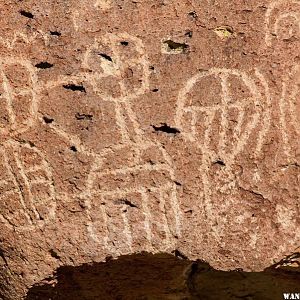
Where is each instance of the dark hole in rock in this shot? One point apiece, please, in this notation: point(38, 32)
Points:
point(179, 254)
point(166, 129)
point(54, 254)
point(126, 202)
point(48, 120)
point(175, 47)
point(74, 87)
point(189, 34)
point(177, 183)
point(155, 90)
point(80, 116)
point(164, 276)
point(193, 15)
point(44, 65)
point(26, 14)
point(56, 33)
point(124, 43)
point(73, 148)
point(219, 162)
point(31, 144)
point(105, 56)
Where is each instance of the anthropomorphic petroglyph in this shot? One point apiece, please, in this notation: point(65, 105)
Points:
point(150, 199)
point(222, 121)
point(131, 181)
point(238, 112)
point(26, 181)
point(282, 23)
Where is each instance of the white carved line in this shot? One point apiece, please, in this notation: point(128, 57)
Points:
point(15, 182)
point(268, 29)
point(121, 123)
point(9, 93)
point(10, 42)
point(255, 119)
point(282, 119)
point(224, 112)
point(8, 97)
point(214, 108)
point(70, 138)
point(285, 16)
point(241, 136)
point(127, 231)
point(14, 149)
point(267, 111)
point(34, 169)
point(294, 98)
point(123, 192)
point(147, 214)
point(128, 170)
point(27, 184)
point(164, 222)
point(91, 228)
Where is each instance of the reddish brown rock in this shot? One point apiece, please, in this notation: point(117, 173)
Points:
point(157, 126)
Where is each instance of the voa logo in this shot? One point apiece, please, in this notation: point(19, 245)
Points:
point(291, 295)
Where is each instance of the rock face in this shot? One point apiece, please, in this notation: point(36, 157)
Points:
point(147, 126)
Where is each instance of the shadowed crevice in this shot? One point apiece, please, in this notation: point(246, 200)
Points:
point(164, 276)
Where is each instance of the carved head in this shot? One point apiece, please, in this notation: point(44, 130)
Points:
point(282, 21)
point(218, 109)
point(119, 67)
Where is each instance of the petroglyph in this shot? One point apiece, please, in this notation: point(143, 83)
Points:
point(149, 200)
point(148, 212)
point(26, 185)
point(197, 118)
point(18, 96)
point(289, 107)
point(10, 43)
point(121, 56)
point(282, 21)
point(220, 121)
point(142, 209)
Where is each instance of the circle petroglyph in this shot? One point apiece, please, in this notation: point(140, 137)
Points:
point(282, 21)
point(219, 119)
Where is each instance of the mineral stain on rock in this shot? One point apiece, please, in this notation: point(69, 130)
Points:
point(224, 32)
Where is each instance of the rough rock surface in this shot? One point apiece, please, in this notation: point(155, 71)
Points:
point(147, 126)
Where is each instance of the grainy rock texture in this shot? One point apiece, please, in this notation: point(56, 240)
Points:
point(147, 126)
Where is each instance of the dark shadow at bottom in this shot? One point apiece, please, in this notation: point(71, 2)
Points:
point(163, 276)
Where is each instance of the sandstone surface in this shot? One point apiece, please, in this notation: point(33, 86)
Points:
point(160, 127)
